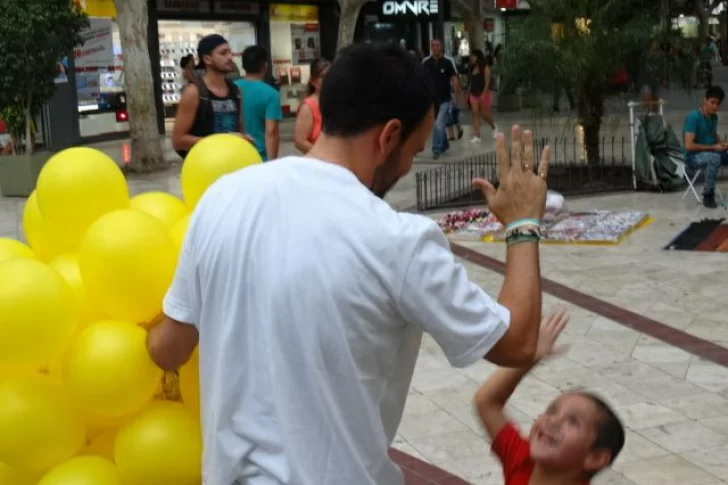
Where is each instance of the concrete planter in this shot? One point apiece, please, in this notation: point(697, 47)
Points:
point(19, 173)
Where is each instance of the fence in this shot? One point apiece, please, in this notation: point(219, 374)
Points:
point(450, 185)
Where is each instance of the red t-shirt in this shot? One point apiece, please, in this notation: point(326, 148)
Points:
point(514, 453)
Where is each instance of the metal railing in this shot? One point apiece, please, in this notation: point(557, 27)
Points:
point(450, 185)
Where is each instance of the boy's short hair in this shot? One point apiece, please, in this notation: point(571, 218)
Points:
point(715, 92)
point(610, 432)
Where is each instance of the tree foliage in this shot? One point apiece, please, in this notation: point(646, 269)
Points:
point(34, 36)
point(578, 45)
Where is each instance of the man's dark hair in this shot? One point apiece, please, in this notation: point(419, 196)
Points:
point(715, 92)
point(369, 85)
point(254, 59)
point(610, 431)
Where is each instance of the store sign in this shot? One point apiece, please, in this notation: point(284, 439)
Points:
point(237, 7)
point(403, 8)
point(97, 51)
point(195, 6)
point(293, 13)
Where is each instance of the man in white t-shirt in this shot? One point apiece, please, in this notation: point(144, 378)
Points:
point(309, 294)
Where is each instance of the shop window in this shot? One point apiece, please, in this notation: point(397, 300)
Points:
point(295, 43)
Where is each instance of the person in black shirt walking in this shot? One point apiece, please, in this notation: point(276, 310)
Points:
point(443, 74)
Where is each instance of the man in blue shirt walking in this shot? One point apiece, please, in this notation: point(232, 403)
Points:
point(703, 148)
point(261, 103)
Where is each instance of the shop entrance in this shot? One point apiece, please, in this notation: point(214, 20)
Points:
point(179, 38)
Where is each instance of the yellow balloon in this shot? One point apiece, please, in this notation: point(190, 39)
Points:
point(161, 447)
point(189, 383)
point(37, 312)
point(14, 476)
point(210, 159)
point(13, 249)
point(83, 470)
point(75, 188)
point(108, 370)
point(179, 231)
point(127, 261)
point(35, 231)
point(66, 265)
point(40, 426)
point(160, 205)
point(102, 445)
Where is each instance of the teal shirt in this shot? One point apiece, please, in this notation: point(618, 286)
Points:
point(704, 128)
point(261, 102)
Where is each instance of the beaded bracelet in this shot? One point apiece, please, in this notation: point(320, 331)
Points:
point(525, 229)
point(521, 235)
point(523, 222)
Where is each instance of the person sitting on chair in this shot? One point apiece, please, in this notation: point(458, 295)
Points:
point(704, 150)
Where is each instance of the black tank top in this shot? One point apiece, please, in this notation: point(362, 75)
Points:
point(477, 81)
point(215, 114)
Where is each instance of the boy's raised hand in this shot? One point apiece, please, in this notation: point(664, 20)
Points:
point(551, 327)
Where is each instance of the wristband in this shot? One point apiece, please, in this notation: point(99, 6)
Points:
point(523, 222)
point(523, 235)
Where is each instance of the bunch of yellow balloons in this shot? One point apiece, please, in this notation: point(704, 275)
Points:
point(79, 393)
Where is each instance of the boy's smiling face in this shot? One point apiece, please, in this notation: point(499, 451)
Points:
point(562, 438)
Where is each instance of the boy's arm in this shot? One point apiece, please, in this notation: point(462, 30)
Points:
point(490, 400)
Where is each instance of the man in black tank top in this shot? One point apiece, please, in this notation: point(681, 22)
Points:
point(211, 103)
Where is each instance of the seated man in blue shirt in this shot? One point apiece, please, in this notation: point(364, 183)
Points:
point(703, 148)
point(261, 103)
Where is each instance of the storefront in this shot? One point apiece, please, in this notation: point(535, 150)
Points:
point(295, 43)
point(177, 26)
point(99, 81)
point(412, 24)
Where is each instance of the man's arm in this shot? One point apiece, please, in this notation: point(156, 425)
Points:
point(467, 324)
point(186, 114)
point(454, 79)
point(273, 116)
point(272, 139)
point(691, 146)
point(171, 343)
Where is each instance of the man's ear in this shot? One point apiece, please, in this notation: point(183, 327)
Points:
point(389, 138)
point(597, 460)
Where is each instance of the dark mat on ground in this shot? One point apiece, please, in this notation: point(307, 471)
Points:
point(705, 235)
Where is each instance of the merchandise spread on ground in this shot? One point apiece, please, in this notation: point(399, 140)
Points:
point(595, 227)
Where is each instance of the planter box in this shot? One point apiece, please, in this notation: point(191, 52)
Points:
point(509, 103)
point(19, 173)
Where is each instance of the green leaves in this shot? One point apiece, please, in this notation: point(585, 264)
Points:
point(583, 42)
point(34, 36)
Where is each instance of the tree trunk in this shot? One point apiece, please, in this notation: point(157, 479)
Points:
point(590, 106)
point(473, 14)
point(347, 21)
point(703, 19)
point(476, 34)
point(28, 115)
point(146, 143)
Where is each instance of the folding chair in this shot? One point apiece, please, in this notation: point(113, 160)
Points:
point(683, 172)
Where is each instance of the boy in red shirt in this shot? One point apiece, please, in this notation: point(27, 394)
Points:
point(578, 435)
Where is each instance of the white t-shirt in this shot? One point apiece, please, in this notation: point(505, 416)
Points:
point(311, 295)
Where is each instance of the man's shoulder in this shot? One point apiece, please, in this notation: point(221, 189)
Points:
point(693, 116)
